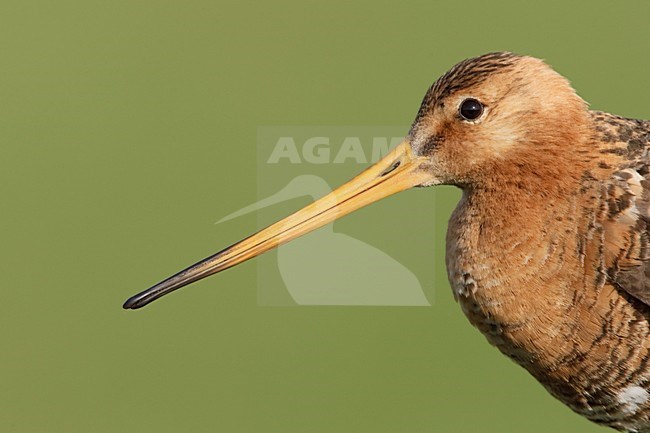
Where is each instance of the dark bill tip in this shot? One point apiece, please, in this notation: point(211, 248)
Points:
point(139, 300)
point(175, 282)
point(132, 303)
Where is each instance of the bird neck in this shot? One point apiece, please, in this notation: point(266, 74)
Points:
point(518, 209)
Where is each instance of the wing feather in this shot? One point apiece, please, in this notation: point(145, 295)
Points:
point(626, 202)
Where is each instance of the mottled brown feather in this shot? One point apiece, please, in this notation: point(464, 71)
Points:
point(627, 197)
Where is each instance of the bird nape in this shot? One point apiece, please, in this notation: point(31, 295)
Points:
point(548, 249)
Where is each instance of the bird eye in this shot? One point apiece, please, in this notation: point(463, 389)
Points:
point(471, 109)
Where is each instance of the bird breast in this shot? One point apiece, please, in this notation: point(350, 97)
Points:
point(518, 276)
point(532, 287)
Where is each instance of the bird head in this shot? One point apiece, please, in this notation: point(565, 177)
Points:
point(492, 118)
point(496, 117)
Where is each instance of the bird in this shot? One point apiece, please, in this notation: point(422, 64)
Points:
point(364, 275)
point(548, 249)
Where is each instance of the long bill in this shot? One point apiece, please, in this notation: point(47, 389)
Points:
point(397, 171)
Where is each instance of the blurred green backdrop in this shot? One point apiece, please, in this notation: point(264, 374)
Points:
point(128, 127)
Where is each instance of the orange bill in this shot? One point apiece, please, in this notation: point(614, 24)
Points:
point(397, 171)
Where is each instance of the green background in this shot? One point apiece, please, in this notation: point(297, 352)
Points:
point(128, 127)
